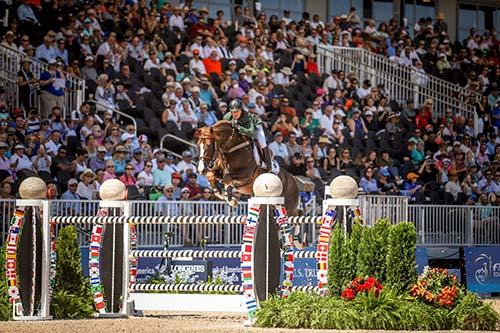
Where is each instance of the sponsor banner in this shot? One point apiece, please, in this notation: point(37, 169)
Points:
point(482, 266)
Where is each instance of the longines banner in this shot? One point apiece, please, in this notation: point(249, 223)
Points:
point(482, 265)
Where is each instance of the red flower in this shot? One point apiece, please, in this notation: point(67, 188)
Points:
point(348, 294)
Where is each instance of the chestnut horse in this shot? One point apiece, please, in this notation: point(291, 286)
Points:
point(224, 150)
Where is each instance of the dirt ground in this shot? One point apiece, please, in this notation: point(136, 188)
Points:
point(150, 323)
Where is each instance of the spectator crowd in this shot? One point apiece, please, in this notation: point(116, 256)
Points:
point(175, 69)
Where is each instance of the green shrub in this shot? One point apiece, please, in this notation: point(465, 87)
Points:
point(400, 260)
point(72, 297)
point(352, 252)
point(336, 260)
point(372, 251)
point(389, 311)
point(5, 309)
point(269, 313)
point(473, 314)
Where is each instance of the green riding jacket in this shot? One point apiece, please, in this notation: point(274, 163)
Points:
point(247, 124)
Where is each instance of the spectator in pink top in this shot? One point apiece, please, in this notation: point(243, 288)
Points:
point(128, 177)
point(109, 173)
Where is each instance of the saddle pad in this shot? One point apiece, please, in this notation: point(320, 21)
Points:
point(275, 167)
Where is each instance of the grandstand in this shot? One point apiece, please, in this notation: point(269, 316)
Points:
point(406, 104)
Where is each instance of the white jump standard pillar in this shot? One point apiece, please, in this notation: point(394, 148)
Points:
point(259, 282)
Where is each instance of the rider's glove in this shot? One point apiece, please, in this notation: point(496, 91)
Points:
point(234, 123)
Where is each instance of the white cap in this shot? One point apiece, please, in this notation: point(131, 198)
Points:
point(340, 113)
point(126, 136)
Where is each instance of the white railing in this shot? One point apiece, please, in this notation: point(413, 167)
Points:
point(399, 81)
point(115, 113)
point(10, 64)
point(437, 225)
point(192, 147)
point(456, 225)
point(376, 207)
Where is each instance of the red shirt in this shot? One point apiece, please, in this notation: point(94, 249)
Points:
point(193, 190)
point(213, 66)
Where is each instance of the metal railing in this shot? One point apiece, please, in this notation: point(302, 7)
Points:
point(376, 207)
point(402, 83)
point(192, 147)
point(10, 64)
point(437, 225)
point(115, 111)
point(456, 225)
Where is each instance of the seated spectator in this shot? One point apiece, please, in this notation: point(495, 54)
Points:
point(19, 160)
point(278, 148)
point(128, 177)
point(86, 188)
point(6, 188)
point(161, 175)
point(413, 190)
point(105, 94)
point(110, 171)
point(73, 207)
point(297, 166)
point(368, 183)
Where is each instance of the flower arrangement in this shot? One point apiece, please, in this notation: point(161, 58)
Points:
point(436, 286)
point(361, 285)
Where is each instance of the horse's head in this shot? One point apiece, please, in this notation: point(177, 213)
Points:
point(206, 142)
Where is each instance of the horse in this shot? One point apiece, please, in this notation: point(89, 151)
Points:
point(223, 149)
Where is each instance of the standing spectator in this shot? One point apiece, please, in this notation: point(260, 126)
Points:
point(27, 83)
point(53, 85)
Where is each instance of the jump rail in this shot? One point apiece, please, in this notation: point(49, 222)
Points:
point(203, 287)
point(217, 219)
point(206, 254)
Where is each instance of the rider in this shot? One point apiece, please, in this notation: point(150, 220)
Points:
point(249, 125)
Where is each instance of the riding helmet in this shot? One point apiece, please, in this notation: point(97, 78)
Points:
point(235, 105)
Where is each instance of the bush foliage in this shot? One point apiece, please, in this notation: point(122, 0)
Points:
point(5, 309)
point(72, 298)
point(400, 261)
point(389, 311)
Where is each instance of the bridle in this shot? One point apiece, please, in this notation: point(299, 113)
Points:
point(221, 149)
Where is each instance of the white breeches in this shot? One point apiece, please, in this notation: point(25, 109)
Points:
point(260, 137)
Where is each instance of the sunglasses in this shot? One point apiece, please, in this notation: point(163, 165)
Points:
point(185, 192)
point(110, 166)
point(129, 169)
point(149, 166)
point(169, 191)
point(73, 185)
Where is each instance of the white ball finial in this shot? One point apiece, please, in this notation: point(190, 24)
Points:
point(267, 185)
point(112, 190)
point(33, 188)
point(344, 187)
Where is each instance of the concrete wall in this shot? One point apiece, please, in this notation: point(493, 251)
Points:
point(317, 7)
point(450, 10)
